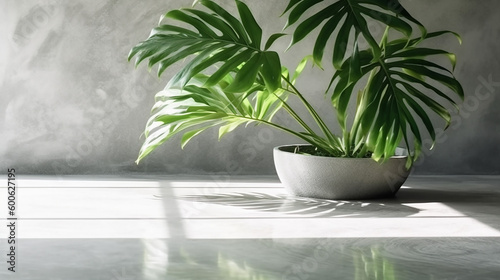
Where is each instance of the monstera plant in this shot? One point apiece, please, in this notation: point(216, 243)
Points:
point(230, 77)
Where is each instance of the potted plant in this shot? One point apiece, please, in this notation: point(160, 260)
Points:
point(230, 77)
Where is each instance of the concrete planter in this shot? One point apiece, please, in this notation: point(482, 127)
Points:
point(339, 178)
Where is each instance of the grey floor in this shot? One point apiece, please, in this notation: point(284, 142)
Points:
point(132, 228)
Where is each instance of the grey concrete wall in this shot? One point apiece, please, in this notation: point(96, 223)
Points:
point(71, 104)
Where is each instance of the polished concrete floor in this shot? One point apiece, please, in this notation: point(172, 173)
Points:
point(134, 227)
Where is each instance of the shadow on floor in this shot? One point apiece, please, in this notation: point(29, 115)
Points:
point(310, 207)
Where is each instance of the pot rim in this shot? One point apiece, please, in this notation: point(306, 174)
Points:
point(403, 153)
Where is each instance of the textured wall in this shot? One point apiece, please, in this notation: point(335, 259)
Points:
point(71, 104)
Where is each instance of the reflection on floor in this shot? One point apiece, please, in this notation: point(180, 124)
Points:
point(437, 227)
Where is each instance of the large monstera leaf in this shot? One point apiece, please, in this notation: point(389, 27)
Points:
point(194, 108)
point(347, 16)
point(228, 78)
point(214, 40)
point(403, 87)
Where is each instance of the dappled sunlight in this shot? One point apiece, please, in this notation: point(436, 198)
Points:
point(107, 207)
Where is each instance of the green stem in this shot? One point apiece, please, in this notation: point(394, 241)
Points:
point(361, 108)
point(347, 144)
point(295, 115)
point(301, 136)
point(331, 137)
point(363, 151)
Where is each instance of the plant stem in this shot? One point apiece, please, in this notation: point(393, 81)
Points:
point(301, 136)
point(363, 151)
point(362, 105)
point(347, 143)
point(361, 108)
point(295, 115)
point(333, 139)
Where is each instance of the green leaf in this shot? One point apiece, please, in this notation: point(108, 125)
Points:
point(400, 44)
point(394, 135)
point(290, 5)
point(341, 105)
point(153, 46)
point(434, 34)
point(422, 52)
point(340, 46)
point(170, 58)
point(390, 20)
point(232, 125)
point(229, 66)
point(246, 75)
point(172, 29)
point(230, 19)
point(164, 132)
point(204, 30)
point(449, 82)
point(251, 26)
point(355, 65)
point(308, 25)
point(272, 39)
point(174, 47)
point(396, 7)
point(227, 31)
point(220, 56)
point(274, 107)
point(362, 26)
point(394, 16)
point(433, 105)
point(191, 134)
point(323, 36)
point(263, 102)
point(376, 135)
point(271, 70)
point(186, 73)
point(423, 116)
point(299, 9)
point(408, 63)
point(405, 113)
point(300, 68)
point(426, 85)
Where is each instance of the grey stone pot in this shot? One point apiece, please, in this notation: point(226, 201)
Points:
point(339, 178)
